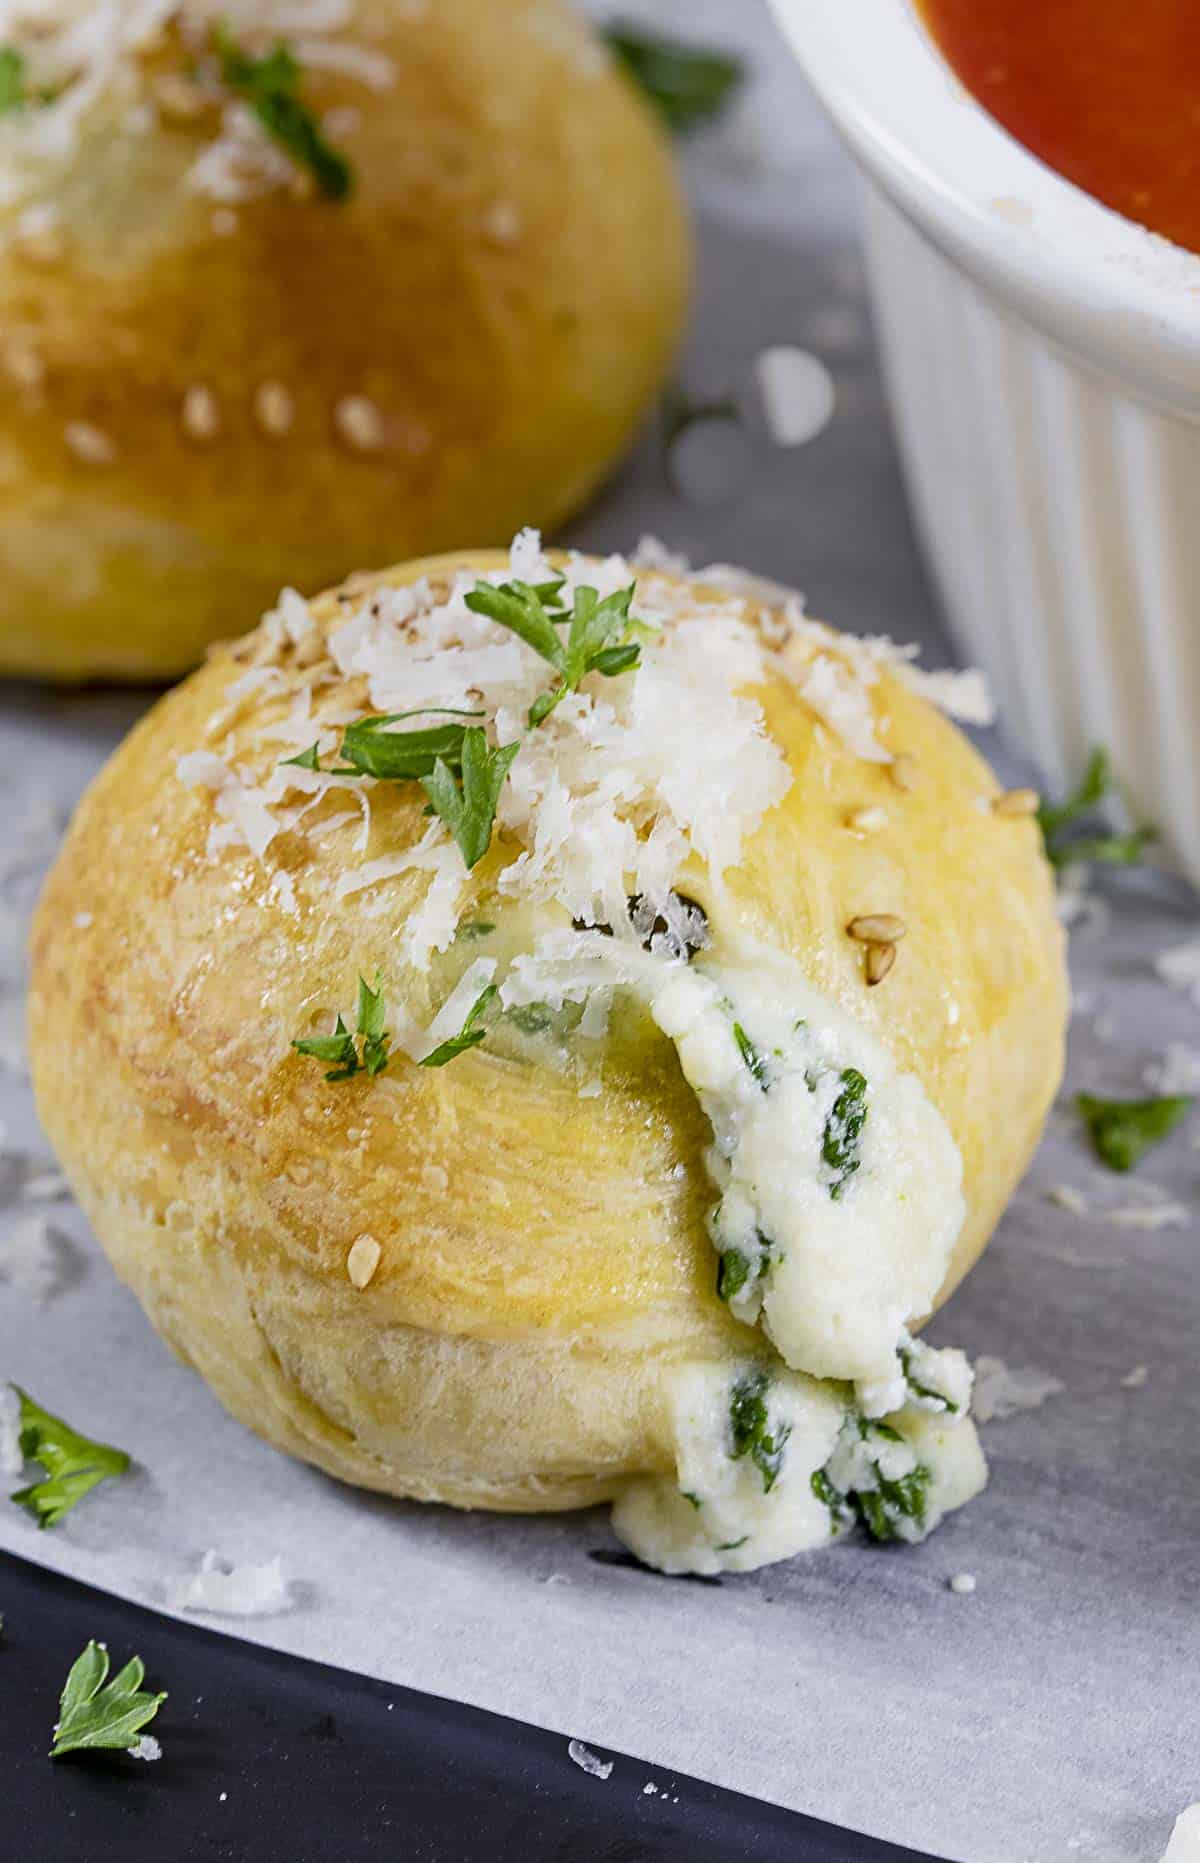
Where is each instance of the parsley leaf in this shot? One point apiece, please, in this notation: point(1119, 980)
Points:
point(341, 1048)
point(597, 639)
point(309, 759)
point(748, 1422)
point(1109, 849)
point(372, 1013)
point(472, 1032)
point(338, 1048)
point(372, 748)
point(685, 83)
point(1122, 1130)
point(470, 811)
point(74, 1464)
point(94, 1712)
point(521, 607)
point(596, 643)
point(12, 79)
point(270, 85)
point(841, 1143)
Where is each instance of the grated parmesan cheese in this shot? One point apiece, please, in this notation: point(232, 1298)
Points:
point(1177, 1071)
point(1002, 1391)
point(838, 696)
point(589, 1762)
point(623, 784)
point(1180, 967)
point(93, 60)
point(1149, 1216)
point(232, 1591)
point(35, 1257)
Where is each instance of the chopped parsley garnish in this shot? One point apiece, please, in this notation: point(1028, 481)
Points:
point(270, 86)
point(1102, 846)
point(841, 1144)
point(750, 1055)
point(12, 79)
point(597, 639)
point(456, 767)
point(472, 1032)
point(74, 1464)
point(94, 1712)
point(749, 1427)
point(309, 759)
point(1121, 1130)
point(685, 83)
point(372, 748)
point(469, 809)
point(341, 1050)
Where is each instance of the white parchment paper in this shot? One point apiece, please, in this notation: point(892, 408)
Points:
point(1051, 1714)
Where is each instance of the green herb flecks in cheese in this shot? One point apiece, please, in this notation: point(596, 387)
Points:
point(827, 1467)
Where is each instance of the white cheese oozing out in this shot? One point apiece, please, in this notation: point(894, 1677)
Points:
point(716, 1513)
point(769, 1463)
point(840, 1185)
point(834, 1221)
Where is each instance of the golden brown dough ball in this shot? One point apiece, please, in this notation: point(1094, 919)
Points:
point(468, 1282)
point(217, 378)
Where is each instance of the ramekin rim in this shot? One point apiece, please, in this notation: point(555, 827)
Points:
point(1121, 297)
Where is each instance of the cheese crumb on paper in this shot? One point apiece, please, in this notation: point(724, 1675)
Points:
point(589, 1762)
point(1002, 1391)
point(233, 1591)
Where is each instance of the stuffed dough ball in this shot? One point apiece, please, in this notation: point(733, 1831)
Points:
point(284, 285)
point(534, 1031)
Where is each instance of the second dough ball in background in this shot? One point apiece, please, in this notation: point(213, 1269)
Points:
point(234, 357)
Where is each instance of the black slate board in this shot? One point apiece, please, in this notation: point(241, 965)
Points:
point(270, 1759)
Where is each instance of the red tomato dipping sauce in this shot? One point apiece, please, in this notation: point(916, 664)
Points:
point(1105, 92)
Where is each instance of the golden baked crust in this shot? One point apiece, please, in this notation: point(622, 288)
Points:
point(542, 1257)
point(505, 286)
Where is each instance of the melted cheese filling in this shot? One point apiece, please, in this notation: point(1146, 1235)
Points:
point(845, 1233)
point(724, 1511)
point(838, 1203)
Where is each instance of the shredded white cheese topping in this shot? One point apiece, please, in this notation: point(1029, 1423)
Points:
point(87, 55)
point(1002, 1390)
point(627, 780)
point(232, 1591)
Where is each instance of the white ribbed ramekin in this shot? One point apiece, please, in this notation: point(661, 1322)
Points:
point(1043, 364)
